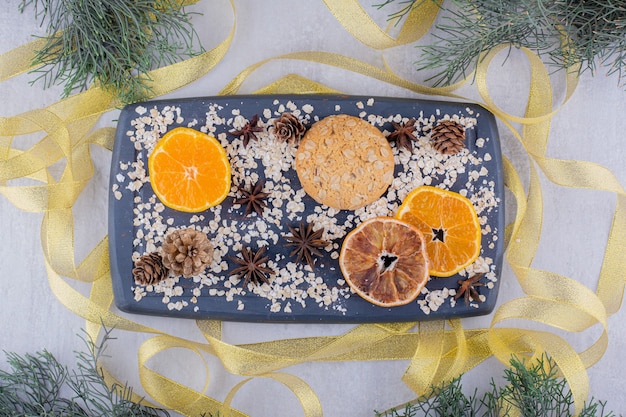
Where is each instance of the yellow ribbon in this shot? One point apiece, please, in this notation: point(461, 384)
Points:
point(437, 351)
point(361, 26)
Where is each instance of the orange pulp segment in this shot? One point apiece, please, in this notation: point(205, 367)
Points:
point(189, 170)
point(450, 224)
point(384, 261)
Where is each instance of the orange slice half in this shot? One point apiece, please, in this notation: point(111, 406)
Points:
point(189, 170)
point(450, 225)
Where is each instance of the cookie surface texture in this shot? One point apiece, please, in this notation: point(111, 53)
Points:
point(344, 162)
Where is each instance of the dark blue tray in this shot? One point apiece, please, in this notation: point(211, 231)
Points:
point(484, 150)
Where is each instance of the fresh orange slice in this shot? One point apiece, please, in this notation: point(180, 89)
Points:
point(189, 170)
point(384, 261)
point(450, 224)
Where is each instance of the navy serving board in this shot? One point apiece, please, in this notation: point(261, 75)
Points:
point(123, 226)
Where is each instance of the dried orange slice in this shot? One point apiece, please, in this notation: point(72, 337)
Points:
point(189, 170)
point(384, 261)
point(450, 224)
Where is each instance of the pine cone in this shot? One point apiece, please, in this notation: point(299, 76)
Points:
point(448, 137)
point(149, 269)
point(187, 252)
point(288, 128)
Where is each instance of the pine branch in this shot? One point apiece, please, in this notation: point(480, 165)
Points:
point(531, 390)
point(112, 44)
point(38, 385)
point(565, 33)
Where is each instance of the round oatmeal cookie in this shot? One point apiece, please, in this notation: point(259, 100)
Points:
point(344, 162)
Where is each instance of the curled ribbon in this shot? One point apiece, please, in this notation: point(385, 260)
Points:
point(437, 351)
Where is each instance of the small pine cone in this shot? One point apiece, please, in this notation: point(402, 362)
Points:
point(149, 269)
point(187, 252)
point(288, 128)
point(448, 137)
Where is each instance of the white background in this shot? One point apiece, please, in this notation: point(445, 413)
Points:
point(576, 222)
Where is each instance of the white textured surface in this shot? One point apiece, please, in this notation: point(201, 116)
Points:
point(576, 222)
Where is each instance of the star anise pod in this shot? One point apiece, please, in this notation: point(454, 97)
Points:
point(403, 134)
point(253, 199)
point(468, 288)
point(252, 269)
point(306, 242)
point(249, 130)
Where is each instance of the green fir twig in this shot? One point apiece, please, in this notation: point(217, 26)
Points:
point(112, 44)
point(569, 35)
point(38, 385)
point(532, 390)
